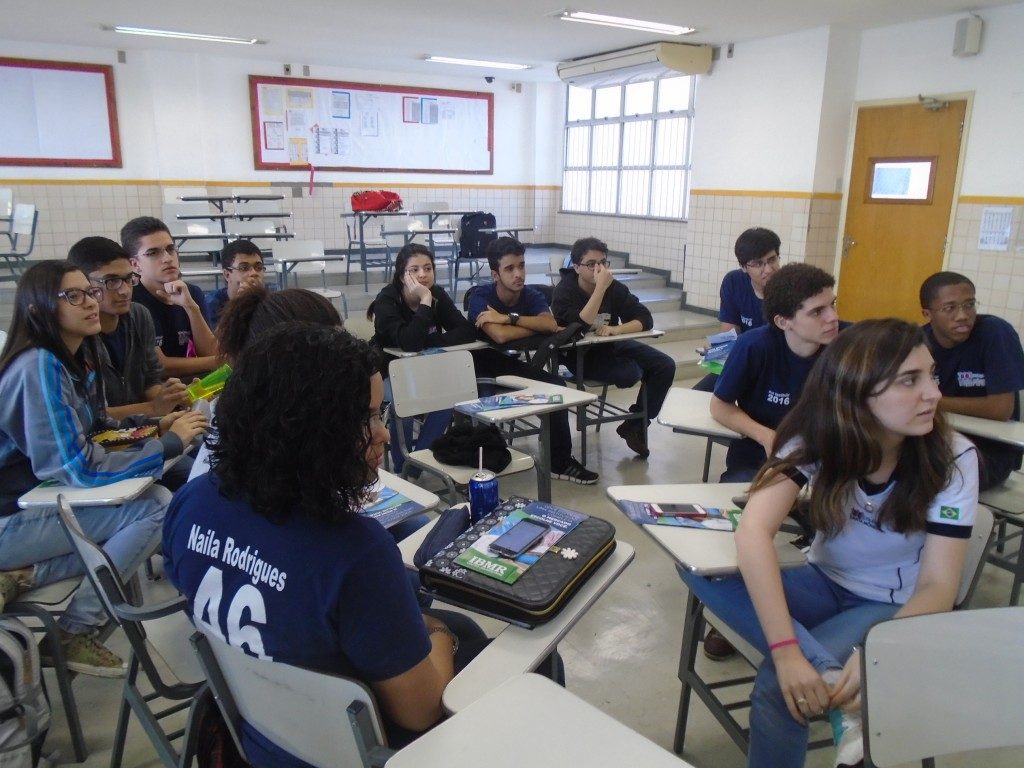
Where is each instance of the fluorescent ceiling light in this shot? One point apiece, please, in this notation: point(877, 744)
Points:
point(475, 62)
point(186, 35)
point(619, 21)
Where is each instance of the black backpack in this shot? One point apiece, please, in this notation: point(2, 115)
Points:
point(472, 242)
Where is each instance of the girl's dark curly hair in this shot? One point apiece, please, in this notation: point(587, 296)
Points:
point(256, 310)
point(293, 424)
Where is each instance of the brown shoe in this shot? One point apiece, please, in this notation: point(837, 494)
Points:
point(10, 588)
point(716, 647)
point(635, 436)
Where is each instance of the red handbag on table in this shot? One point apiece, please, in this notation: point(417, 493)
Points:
point(376, 200)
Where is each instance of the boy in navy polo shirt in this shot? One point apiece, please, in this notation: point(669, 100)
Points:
point(766, 370)
point(185, 343)
point(742, 292)
point(242, 263)
point(979, 362)
point(507, 311)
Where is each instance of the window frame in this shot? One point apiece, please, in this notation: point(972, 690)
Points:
point(655, 118)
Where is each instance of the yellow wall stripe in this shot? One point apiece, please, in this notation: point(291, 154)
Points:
point(990, 200)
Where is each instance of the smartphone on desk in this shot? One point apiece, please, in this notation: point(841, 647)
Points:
point(518, 539)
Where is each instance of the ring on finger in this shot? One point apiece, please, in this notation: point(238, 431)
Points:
point(801, 702)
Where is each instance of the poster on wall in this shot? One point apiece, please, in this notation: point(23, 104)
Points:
point(365, 127)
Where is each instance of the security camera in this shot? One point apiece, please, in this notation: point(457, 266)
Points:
point(489, 78)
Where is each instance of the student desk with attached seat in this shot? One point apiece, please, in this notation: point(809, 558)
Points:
point(530, 721)
point(1006, 500)
point(688, 412)
point(571, 398)
point(705, 553)
point(517, 649)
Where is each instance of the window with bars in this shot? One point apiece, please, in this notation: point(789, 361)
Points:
point(627, 148)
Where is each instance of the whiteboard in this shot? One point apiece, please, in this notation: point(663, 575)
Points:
point(298, 122)
point(58, 113)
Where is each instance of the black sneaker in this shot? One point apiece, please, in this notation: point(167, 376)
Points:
point(635, 436)
point(576, 473)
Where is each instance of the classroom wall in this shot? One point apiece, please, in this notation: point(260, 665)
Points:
point(184, 120)
point(911, 59)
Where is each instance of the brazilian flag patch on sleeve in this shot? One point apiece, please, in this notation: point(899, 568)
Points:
point(949, 513)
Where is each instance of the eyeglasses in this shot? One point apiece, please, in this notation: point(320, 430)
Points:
point(245, 269)
point(170, 250)
point(426, 269)
point(114, 282)
point(593, 264)
point(969, 307)
point(378, 419)
point(75, 296)
point(761, 264)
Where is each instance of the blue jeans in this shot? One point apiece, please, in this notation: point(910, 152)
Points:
point(129, 533)
point(624, 363)
point(828, 620)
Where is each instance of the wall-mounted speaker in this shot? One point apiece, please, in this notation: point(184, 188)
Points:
point(967, 41)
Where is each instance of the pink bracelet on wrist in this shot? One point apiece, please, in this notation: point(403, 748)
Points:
point(782, 644)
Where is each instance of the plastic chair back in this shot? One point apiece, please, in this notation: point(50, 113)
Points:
point(297, 709)
point(302, 248)
point(6, 202)
point(977, 554)
point(928, 691)
point(24, 221)
point(427, 383)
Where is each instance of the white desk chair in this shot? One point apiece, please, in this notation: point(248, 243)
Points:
point(192, 227)
point(974, 561)
point(357, 249)
point(22, 236)
point(445, 242)
point(428, 383)
point(136, 698)
point(926, 693)
point(6, 204)
point(300, 710)
point(302, 254)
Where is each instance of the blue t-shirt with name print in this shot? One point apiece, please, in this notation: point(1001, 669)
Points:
point(739, 304)
point(330, 597)
point(989, 362)
point(764, 377)
point(531, 302)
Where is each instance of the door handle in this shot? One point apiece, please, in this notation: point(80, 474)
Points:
point(848, 243)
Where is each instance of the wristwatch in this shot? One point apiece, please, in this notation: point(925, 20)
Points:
point(513, 318)
point(451, 636)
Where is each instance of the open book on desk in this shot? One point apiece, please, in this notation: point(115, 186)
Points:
point(681, 515)
point(389, 507)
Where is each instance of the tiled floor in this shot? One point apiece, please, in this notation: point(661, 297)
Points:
point(621, 657)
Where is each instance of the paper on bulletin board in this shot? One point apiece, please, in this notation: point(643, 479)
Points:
point(994, 233)
point(350, 126)
point(273, 134)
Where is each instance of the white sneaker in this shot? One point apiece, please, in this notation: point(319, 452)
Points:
point(849, 738)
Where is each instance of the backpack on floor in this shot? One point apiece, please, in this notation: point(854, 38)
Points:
point(472, 242)
point(24, 710)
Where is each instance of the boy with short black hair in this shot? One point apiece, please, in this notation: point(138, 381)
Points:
point(243, 267)
point(766, 370)
point(132, 374)
point(186, 345)
point(979, 362)
point(588, 293)
point(742, 291)
point(506, 311)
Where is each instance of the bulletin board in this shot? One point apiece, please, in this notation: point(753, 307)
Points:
point(299, 122)
point(58, 113)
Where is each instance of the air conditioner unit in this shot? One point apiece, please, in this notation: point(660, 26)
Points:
point(630, 65)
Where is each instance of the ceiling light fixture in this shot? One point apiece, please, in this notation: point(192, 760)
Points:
point(475, 62)
point(619, 21)
point(185, 35)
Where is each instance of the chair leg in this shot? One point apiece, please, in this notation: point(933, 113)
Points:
point(121, 730)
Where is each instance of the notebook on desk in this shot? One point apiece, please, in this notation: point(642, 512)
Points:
point(389, 507)
point(681, 515)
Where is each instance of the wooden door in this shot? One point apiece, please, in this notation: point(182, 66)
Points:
point(900, 199)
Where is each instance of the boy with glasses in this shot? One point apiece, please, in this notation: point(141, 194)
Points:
point(242, 262)
point(979, 362)
point(742, 292)
point(132, 373)
point(588, 293)
point(185, 344)
point(508, 310)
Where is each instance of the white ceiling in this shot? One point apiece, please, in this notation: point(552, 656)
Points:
point(394, 35)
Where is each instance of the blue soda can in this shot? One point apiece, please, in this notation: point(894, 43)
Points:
point(483, 495)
